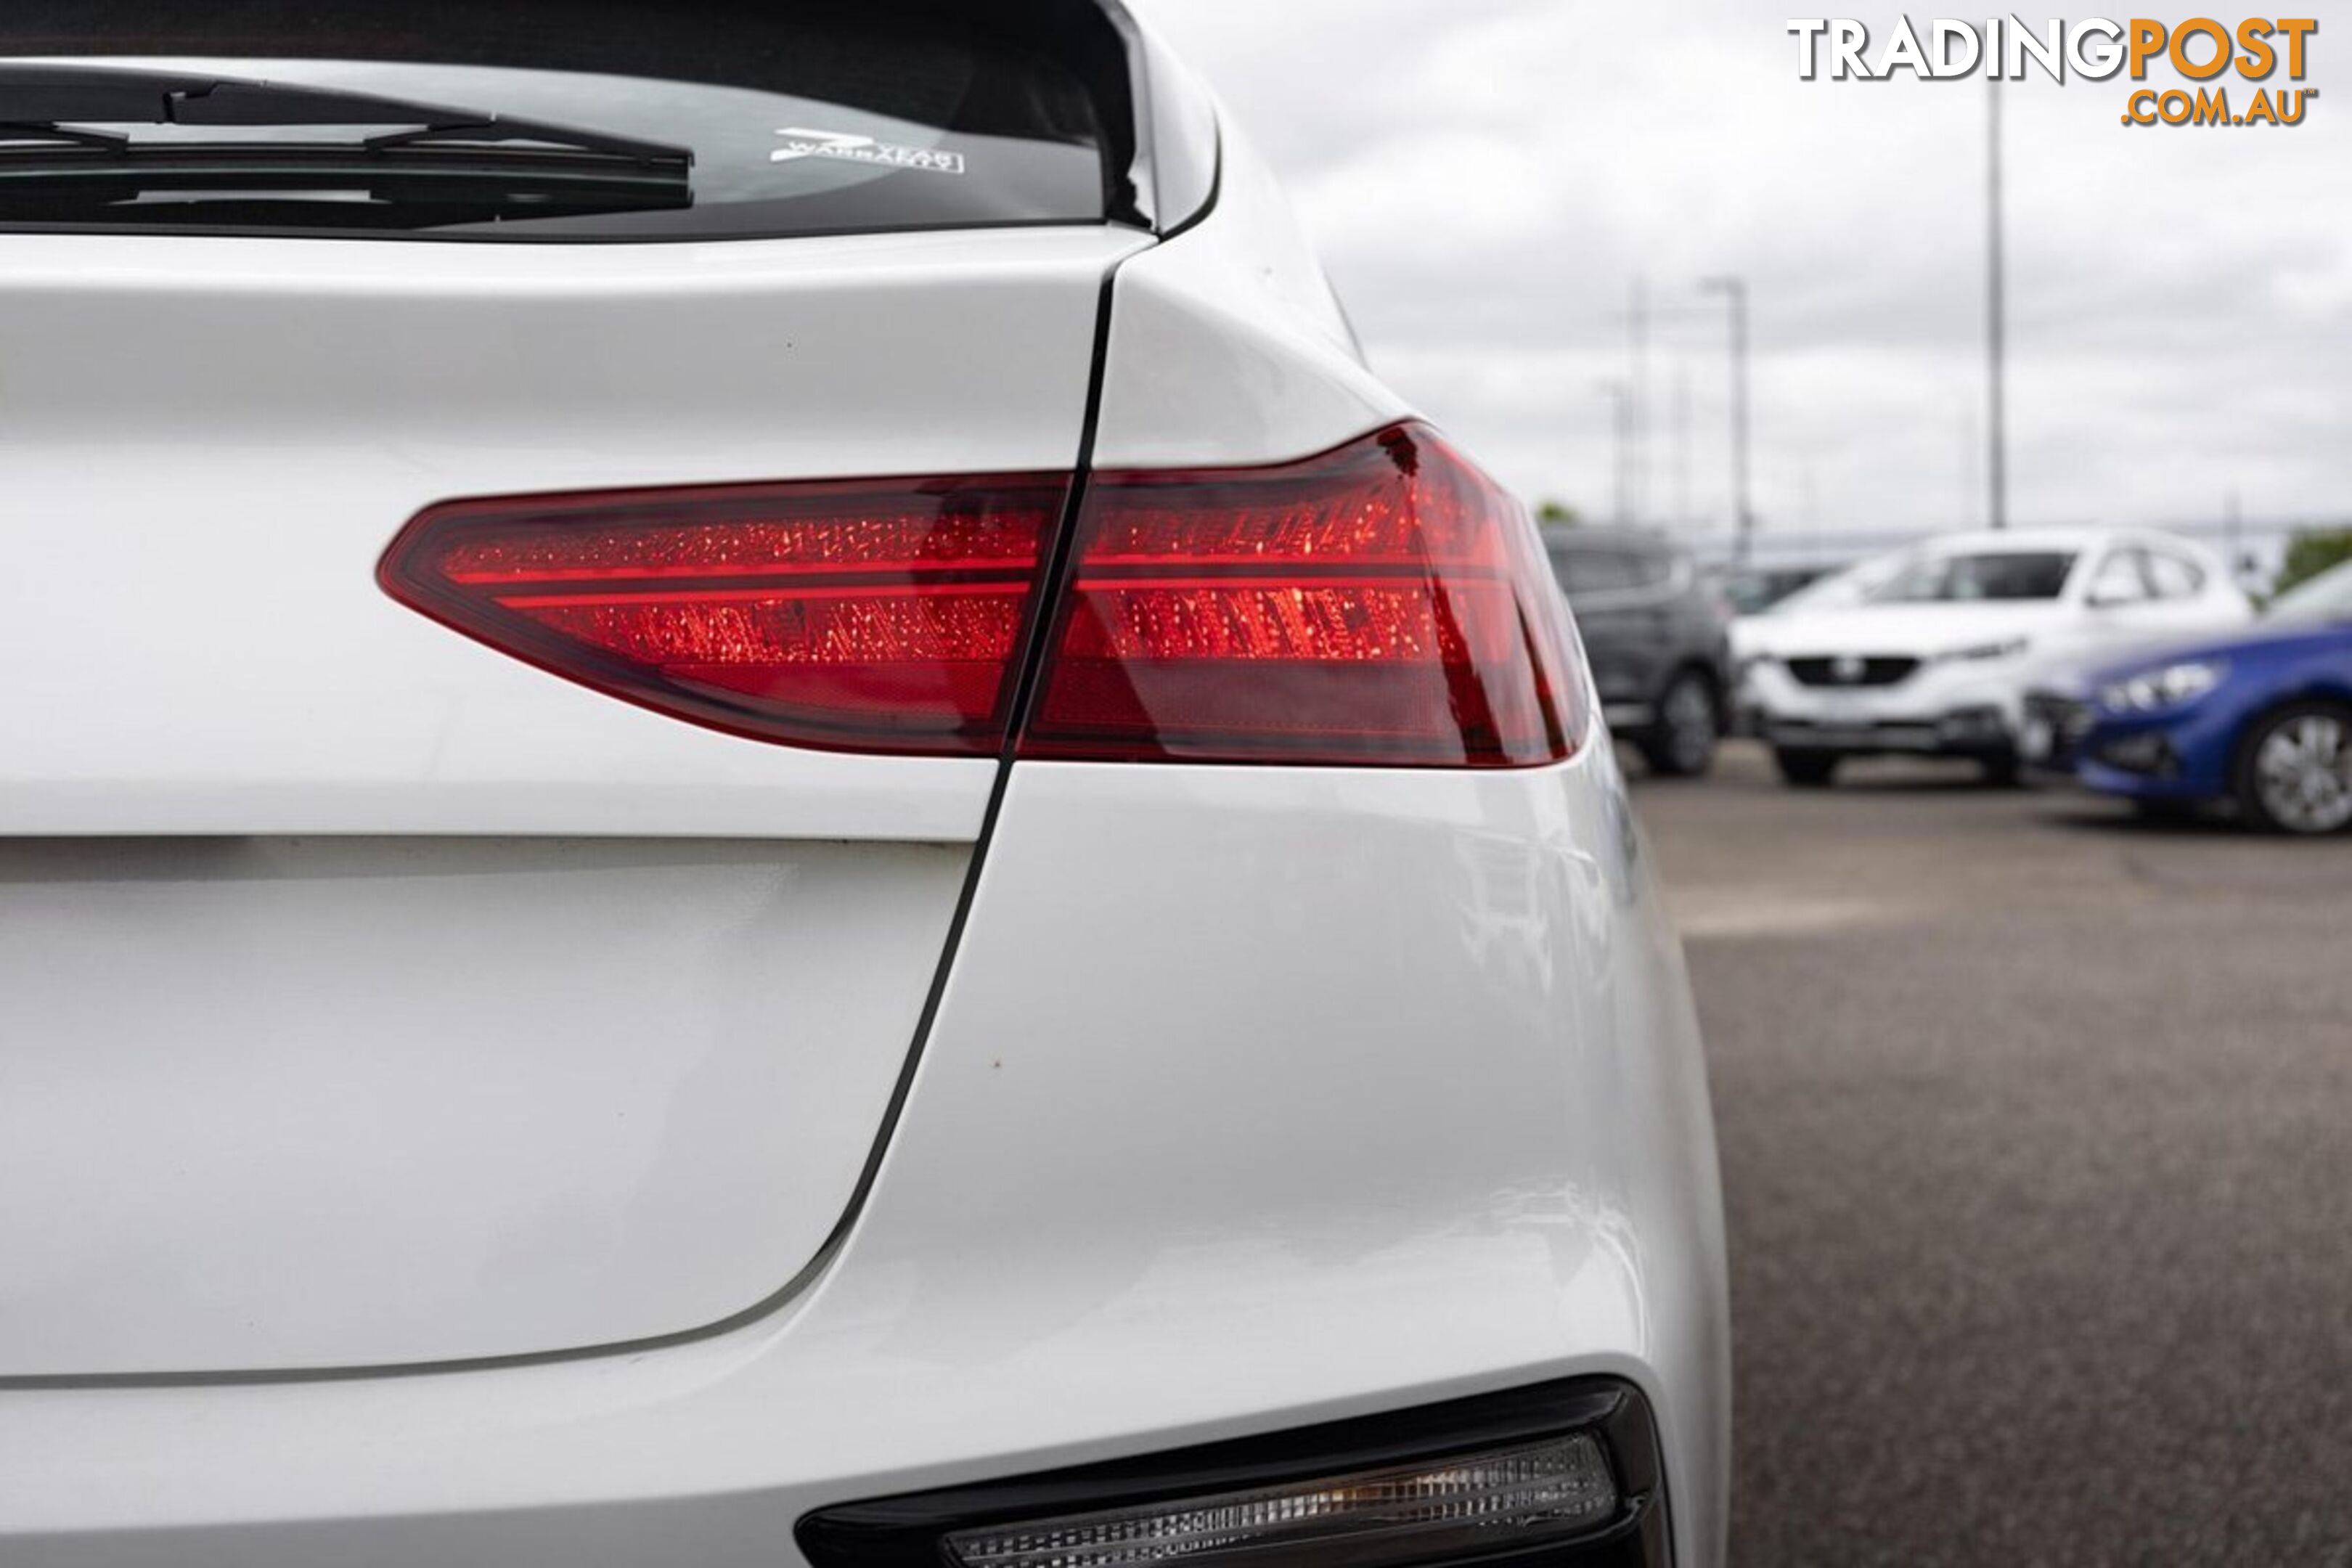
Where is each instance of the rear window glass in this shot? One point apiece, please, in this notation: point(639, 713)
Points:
point(697, 118)
point(2173, 578)
point(2326, 599)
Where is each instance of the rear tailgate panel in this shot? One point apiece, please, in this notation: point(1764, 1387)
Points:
point(374, 998)
point(307, 1103)
point(209, 443)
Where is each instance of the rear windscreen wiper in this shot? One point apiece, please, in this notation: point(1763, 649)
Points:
point(49, 107)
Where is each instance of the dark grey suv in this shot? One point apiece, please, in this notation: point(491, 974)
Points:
point(1660, 652)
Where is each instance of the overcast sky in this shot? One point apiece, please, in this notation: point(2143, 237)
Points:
point(1488, 179)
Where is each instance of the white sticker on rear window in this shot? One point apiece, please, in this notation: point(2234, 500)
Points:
point(804, 143)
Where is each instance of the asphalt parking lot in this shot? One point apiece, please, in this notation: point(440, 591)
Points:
point(2037, 1143)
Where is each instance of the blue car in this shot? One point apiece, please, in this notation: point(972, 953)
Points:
point(2263, 720)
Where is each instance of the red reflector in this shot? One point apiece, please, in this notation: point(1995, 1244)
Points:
point(1384, 605)
point(883, 616)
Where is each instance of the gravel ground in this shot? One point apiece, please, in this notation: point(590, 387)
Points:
point(2037, 1140)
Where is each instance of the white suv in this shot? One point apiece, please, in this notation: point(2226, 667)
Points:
point(757, 811)
point(1936, 657)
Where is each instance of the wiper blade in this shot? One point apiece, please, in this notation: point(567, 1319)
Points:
point(63, 136)
point(391, 199)
point(47, 105)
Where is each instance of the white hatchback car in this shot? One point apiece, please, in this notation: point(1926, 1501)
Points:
point(1934, 656)
point(758, 811)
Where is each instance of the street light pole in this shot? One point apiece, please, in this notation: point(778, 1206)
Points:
point(1637, 504)
point(1735, 292)
point(1620, 402)
point(1997, 315)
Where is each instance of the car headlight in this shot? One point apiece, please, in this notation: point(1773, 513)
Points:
point(1985, 653)
point(2174, 686)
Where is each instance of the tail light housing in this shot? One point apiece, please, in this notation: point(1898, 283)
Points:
point(1382, 604)
point(1385, 603)
point(881, 616)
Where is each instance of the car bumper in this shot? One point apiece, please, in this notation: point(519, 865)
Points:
point(1936, 712)
point(2051, 739)
point(1165, 1175)
point(1966, 733)
point(2184, 756)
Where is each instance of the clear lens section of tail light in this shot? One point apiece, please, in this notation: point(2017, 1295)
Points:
point(876, 616)
point(1453, 1510)
point(1384, 605)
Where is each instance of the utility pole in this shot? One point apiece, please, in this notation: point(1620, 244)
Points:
point(1682, 453)
point(1621, 423)
point(1735, 293)
point(1638, 420)
point(1972, 482)
point(1997, 313)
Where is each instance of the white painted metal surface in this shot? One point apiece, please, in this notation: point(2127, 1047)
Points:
point(278, 1104)
point(1227, 345)
point(209, 442)
point(1216, 1135)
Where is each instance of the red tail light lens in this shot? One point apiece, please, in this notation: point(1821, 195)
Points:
point(884, 616)
point(1385, 605)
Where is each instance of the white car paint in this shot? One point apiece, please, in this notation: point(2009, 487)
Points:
point(449, 1111)
point(1232, 347)
point(1751, 635)
point(296, 697)
point(404, 1101)
point(1978, 656)
point(1162, 1178)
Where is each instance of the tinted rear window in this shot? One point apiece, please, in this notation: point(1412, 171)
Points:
point(800, 117)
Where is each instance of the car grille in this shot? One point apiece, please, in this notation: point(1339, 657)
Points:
point(1853, 672)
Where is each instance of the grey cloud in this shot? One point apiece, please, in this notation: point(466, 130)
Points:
point(1487, 178)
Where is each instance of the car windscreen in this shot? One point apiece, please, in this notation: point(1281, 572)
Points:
point(2325, 600)
point(1994, 576)
point(786, 117)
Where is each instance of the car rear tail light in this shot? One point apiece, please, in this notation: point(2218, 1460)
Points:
point(1381, 604)
point(882, 616)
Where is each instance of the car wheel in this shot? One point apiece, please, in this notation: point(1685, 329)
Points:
point(2295, 770)
point(1682, 742)
point(1806, 769)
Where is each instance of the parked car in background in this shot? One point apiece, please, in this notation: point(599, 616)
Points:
point(2263, 720)
point(1753, 590)
point(772, 819)
point(1936, 655)
point(1751, 633)
point(1658, 640)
